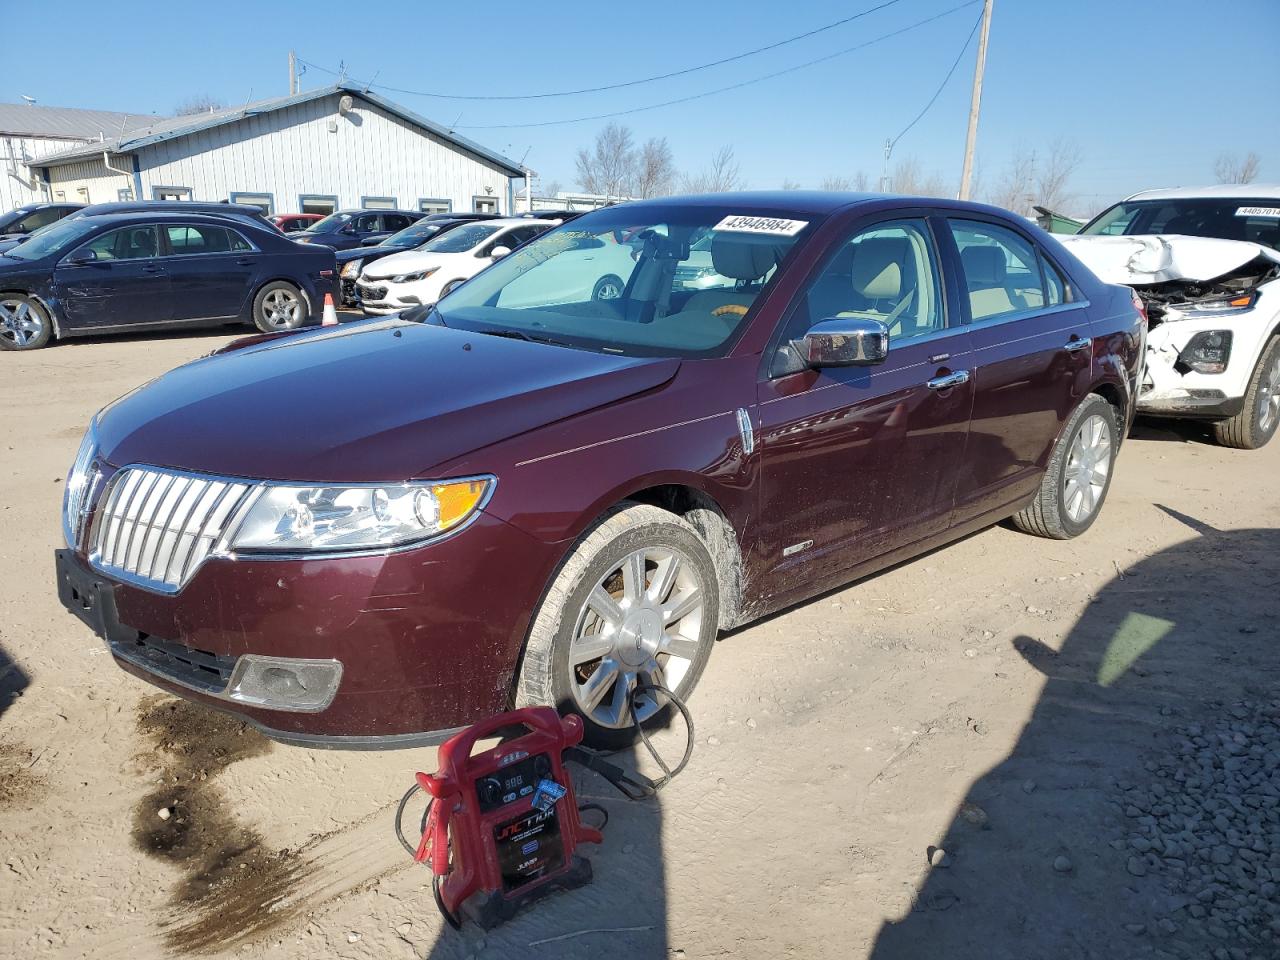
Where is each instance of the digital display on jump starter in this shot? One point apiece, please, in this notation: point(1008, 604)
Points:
point(512, 783)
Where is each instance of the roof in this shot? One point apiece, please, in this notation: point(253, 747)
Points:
point(1242, 191)
point(67, 123)
point(171, 128)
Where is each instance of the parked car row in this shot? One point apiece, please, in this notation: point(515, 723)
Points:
point(535, 490)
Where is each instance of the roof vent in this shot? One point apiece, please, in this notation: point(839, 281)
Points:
point(345, 104)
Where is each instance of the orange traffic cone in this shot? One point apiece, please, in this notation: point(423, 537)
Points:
point(330, 316)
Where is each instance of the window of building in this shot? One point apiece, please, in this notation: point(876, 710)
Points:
point(378, 203)
point(188, 239)
point(484, 204)
point(322, 204)
point(124, 194)
point(263, 201)
point(170, 193)
point(435, 205)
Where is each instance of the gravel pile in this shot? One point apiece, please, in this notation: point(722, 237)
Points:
point(1207, 822)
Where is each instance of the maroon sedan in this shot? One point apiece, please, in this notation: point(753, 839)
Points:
point(295, 222)
point(368, 535)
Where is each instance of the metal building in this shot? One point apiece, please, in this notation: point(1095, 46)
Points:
point(326, 149)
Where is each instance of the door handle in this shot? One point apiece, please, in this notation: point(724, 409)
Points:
point(152, 268)
point(246, 261)
point(948, 380)
point(1076, 343)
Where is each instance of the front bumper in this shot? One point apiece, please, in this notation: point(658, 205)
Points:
point(425, 642)
point(380, 297)
point(1169, 389)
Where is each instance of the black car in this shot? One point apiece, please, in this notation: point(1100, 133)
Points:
point(18, 223)
point(350, 228)
point(157, 269)
point(351, 262)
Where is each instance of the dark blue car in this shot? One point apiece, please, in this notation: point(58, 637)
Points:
point(153, 270)
point(25, 220)
point(350, 228)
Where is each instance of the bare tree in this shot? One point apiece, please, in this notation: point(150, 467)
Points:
point(550, 188)
point(723, 175)
point(789, 184)
point(1015, 190)
point(837, 183)
point(1054, 173)
point(860, 181)
point(909, 178)
point(655, 169)
point(1229, 168)
point(608, 168)
point(202, 103)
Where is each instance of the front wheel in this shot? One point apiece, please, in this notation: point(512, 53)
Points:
point(1257, 420)
point(24, 323)
point(279, 306)
point(607, 288)
point(636, 602)
point(1079, 474)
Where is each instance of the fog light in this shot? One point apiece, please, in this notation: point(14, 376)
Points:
point(284, 683)
point(1206, 352)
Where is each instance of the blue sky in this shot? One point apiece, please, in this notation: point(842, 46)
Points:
point(1151, 91)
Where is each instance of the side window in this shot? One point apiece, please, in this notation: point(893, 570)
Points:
point(128, 243)
point(366, 223)
point(1001, 270)
point(188, 239)
point(34, 221)
point(887, 272)
point(238, 243)
point(1055, 288)
point(395, 221)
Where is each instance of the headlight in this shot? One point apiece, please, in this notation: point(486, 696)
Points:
point(410, 277)
point(1206, 352)
point(352, 268)
point(296, 519)
point(302, 240)
point(1218, 307)
point(77, 488)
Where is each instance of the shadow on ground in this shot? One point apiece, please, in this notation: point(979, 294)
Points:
point(12, 681)
point(1165, 689)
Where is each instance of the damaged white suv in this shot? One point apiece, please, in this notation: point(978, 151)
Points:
point(1206, 262)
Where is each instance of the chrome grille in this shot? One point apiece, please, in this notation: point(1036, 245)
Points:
point(155, 527)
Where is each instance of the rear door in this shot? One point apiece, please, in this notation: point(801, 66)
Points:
point(124, 284)
point(211, 270)
point(1032, 354)
point(857, 461)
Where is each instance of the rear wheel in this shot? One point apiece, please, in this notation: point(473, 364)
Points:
point(279, 306)
point(24, 323)
point(636, 602)
point(1079, 474)
point(1257, 420)
point(607, 288)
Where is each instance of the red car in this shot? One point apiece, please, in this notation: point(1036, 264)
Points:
point(295, 222)
point(369, 535)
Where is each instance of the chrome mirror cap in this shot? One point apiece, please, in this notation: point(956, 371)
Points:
point(846, 342)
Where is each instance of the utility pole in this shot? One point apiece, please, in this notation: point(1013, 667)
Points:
point(528, 190)
point(293, 73)
point(975, 103)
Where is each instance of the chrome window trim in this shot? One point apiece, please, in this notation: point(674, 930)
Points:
point(253, 247)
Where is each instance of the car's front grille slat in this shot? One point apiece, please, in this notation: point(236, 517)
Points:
point(158, 526)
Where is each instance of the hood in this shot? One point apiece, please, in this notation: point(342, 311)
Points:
point(378, 401)
point(1159, 258)
point(411, 261)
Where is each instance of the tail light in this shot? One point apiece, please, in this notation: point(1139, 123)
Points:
point(1140, 305)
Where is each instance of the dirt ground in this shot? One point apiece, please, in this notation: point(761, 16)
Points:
point(994, 698)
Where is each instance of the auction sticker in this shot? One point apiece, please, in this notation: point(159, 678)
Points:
point(1258, 212)
point(773, 226)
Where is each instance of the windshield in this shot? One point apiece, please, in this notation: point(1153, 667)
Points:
point(461, 239)
point(52, 239)
point(1257, 221)
point(413, 235)
point(677, 283)
point(329, 224)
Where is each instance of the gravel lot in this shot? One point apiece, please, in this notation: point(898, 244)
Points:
point(1008, 748)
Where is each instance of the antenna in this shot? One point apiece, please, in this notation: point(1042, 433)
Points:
point(370, 83)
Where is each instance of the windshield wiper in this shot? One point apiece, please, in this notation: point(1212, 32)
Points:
point(521, 335)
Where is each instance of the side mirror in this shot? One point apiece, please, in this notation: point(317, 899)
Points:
point(87, 255)
point(499, 252)
point(845, 342)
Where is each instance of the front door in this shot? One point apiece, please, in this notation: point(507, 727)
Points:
point(211, 270)
point(1032, 351)
point(124, 284)
point(857, 461)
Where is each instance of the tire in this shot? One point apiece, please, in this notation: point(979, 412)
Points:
point(24, 323)
point(607, 288)
point(606, 630)
point(279, 306)
point(1257, 420)
point(1064, 508)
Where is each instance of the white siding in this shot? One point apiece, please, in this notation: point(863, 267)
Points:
point(290, 152)
point(24, 187)
point(89, 181)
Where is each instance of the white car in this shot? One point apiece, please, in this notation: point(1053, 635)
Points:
point(426, 274)
point(1206, 262)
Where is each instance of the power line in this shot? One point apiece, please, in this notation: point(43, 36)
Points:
point(945, 80)
point(733, 86)
point(633, 83)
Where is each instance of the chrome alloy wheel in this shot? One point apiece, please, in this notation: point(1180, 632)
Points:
point(608, 290)
point(18, 322)
point(1088, 463)
point(1269, 396)
point(282, 308)
point(641, 624)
